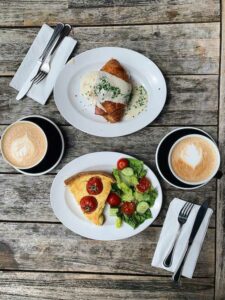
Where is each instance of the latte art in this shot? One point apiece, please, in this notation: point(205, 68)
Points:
point(194, 159)
point(24, 144)
point(191, 155)
point(21, 148)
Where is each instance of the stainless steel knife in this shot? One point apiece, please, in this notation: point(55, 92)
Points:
point(197, 223)
point(28, 83)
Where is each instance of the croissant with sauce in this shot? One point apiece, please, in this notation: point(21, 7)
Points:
point(113, 112)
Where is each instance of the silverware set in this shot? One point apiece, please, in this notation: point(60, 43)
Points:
point(182, 219)
point(43, 65)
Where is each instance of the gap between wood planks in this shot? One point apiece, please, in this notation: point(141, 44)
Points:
point(96, 273)
point(108, 25)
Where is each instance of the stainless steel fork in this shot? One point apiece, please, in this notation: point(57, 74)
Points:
point(182, 218)
point(45, 67)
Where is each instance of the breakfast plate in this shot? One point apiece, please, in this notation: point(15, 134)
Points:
point(78, 112)
point(69, 212)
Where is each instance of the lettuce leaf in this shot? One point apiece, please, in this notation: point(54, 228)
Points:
point(138, 167)
point(136, 219)
point(126, 190)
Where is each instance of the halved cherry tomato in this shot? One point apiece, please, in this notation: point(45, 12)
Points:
point(113, 199)
point(143, 185)
point(128, 208)
point(94, 186)
point(122, 163)
point(88, 204)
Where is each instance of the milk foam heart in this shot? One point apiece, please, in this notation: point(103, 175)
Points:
point(194, 159)
point(191, 155)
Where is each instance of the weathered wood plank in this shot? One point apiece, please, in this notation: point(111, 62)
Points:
point(102, 12)
point(220, 224)
point(176, 48)
point(79, 143)
point(191, 100)
point(26, 198)
point(21, 286)
point(40, 246)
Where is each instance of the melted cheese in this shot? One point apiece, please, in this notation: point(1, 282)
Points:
point(99, 86)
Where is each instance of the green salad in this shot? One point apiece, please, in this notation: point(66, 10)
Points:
point(132, 195)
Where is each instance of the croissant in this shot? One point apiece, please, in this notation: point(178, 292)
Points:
point(112, 111)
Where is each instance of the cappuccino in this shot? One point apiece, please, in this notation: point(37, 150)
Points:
point(24, 144)
point(194, 159)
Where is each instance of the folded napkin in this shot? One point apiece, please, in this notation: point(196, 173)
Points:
point(168, 234)
point(41, 92)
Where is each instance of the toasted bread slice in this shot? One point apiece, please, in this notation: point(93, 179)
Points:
point(77, 186)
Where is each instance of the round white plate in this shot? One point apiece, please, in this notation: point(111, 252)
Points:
point(76, 109)
point(69, 213)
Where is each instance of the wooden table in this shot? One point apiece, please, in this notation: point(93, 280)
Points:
point(39, 257)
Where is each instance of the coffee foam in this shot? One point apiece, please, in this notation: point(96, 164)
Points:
point(21, 148)
point(194, 159)
point(24, 144)
point(192, 155)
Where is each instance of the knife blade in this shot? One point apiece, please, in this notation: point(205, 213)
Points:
point(28, 83)
point(197, 223)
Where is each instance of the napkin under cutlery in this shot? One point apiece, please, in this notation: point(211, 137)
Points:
point(168, 234)
point(41, 92)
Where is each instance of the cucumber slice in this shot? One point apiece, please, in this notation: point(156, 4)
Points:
point(142, 207)
point(118, 222)
point(113, 211)
point(127, 171)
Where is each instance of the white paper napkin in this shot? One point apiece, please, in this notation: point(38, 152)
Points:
point(168, 234)
point(41, 92)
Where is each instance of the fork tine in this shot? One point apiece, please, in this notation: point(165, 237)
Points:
point(42, 76)
point(36, 77)
point(189, 210)
point(183, 209)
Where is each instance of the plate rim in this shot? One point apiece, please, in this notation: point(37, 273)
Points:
point(116, 133)
point(97, 238)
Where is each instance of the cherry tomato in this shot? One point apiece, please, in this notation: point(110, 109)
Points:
point(88, 204)
point(128, 208)
point(122, 163)
point(113, 199)
point(94, 186)
point(143, 185)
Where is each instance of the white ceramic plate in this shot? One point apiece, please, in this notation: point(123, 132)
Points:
point(69, 213)
point(74, 107)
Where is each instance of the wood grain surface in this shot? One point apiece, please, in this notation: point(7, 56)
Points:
point(220, 233)
point(39, 257)
point(33, 286)
point(104, 12)
point(52, 247)
point(175, 48)
point(192, 99)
